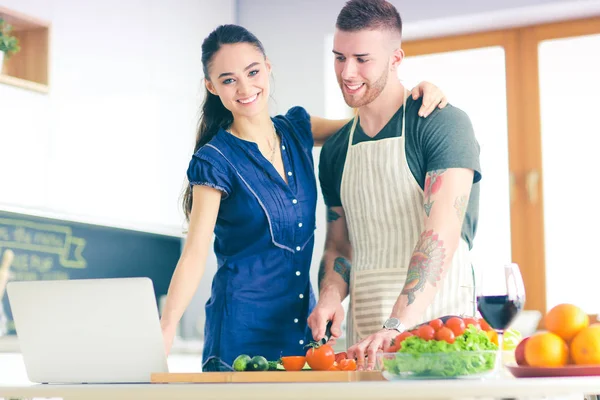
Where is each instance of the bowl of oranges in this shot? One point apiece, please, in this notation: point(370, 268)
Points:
point(569, 346)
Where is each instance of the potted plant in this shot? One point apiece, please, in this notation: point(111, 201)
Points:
point(9, 44)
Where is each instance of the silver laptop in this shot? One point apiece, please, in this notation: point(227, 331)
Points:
point(88, 331)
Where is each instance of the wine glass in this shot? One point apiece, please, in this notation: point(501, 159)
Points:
point(500, 298)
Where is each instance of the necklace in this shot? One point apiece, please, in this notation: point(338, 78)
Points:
point(272, 146)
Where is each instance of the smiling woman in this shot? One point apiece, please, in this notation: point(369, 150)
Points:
point(252, 184)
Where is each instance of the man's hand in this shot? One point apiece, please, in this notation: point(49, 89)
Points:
point(379, 341)
point(327, 309)
point(432, 97)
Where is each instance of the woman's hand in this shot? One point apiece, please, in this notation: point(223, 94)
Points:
point(432, 97)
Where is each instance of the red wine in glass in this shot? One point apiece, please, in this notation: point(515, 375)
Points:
point(500, 298)
point(499, 311)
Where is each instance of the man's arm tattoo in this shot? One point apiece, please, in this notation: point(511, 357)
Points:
point(433, 183)
point(343, 267)
point(332, 215)
point(460, 204)
point(425, 264)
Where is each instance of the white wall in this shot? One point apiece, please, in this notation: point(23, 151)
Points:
point(111, 142)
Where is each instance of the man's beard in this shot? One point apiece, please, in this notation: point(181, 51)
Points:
point(372, 91)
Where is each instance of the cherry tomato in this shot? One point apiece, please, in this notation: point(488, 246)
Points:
point(320, 358)
point(471, 321)
point(446, 334)
point(293, 363)
point(484, 325)
point(457, 325)
point(436, 324)
point(426, 332)
point(397, 342)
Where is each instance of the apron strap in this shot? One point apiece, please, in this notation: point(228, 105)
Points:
point(355, 121)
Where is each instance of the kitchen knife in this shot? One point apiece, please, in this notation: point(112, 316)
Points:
point(327, 334)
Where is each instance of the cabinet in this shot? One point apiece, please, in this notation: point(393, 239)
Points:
point(27, 69)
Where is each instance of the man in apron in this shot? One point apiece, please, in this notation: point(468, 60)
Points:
point(402, 194)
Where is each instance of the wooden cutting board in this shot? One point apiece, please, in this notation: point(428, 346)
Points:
point(267, 376)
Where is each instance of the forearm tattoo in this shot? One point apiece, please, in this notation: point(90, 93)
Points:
point(332, 215)
point(343, 267)
point(425, 264)
point(433, 183)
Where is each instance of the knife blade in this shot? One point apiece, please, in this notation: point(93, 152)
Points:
point(327, 336)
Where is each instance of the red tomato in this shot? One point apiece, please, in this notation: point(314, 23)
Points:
point(484, 325)
point(347, 365)
point(446, 334)
point(397, 342)
point(340, 356)
point(457, 325)
point(293, 363)
point(471, 321)
point(436, 324)
point(426, 332)
point(320, 358)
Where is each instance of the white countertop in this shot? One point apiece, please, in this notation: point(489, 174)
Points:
point(571, 388)
point(14, 384)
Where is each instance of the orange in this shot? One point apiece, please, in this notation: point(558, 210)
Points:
point(545, 349)
point(566, 320)
point(585, 347)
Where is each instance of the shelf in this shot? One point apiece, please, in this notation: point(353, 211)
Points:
point(23, 83)
point(28, 69)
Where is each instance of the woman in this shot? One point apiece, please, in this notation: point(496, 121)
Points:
point(252, 184)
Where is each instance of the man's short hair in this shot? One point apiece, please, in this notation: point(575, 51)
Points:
point(358, 15)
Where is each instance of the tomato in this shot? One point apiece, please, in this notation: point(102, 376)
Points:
point(334, 367)
point(293, 363)
point(397, 342)
point(457, 325)
point(340, 356)
point(471, 321)
point(484, 325)
point(446, 334)
point(320, 358)
point(347, 365)
point(436, 324)
point(426, 332)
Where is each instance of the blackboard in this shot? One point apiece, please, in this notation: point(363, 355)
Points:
point(48, 249)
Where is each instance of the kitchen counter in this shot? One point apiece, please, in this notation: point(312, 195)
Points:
point(533, 388)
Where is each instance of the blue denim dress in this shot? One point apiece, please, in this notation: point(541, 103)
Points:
point(264, 236)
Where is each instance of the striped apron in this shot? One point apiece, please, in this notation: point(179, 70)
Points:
point(384, 211)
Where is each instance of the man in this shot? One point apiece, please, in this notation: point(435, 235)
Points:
point(402, 195)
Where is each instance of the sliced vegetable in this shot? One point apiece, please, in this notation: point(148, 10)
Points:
point(293, 363)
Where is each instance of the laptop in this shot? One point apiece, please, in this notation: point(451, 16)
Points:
point(88, 331)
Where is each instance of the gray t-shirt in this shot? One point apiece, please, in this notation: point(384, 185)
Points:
point(445, 139)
